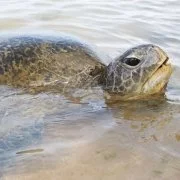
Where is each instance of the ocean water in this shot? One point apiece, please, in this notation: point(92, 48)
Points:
point(50, 136)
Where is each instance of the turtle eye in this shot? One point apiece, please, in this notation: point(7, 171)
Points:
point(131, 61)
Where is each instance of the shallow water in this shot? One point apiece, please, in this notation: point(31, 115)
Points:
point(50, 136)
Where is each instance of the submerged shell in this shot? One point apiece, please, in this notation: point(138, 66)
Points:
point(49, 62)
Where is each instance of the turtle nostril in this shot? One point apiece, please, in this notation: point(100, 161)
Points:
point(131, 61)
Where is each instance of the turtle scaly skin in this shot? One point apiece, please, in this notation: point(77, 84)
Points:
point(64, 64)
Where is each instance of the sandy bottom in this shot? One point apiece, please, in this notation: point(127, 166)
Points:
point(99, 161)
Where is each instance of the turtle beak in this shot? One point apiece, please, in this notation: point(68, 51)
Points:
point(163, 57)
point(158, 80)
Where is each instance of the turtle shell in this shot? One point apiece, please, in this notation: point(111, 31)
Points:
point(49, 62)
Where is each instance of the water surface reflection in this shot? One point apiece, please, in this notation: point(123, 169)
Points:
point(50, 136)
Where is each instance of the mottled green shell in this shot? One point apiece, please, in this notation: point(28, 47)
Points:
point(49, 62)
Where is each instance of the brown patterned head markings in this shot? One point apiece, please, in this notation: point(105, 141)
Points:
point(142, 70)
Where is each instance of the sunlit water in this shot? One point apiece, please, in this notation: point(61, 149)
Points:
point(50, 136)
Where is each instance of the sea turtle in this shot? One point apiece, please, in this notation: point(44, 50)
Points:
point(66, 63)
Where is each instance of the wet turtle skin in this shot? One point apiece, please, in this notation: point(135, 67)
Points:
point(65, 64)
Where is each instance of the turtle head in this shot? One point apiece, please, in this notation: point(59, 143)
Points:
point(141, 71)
